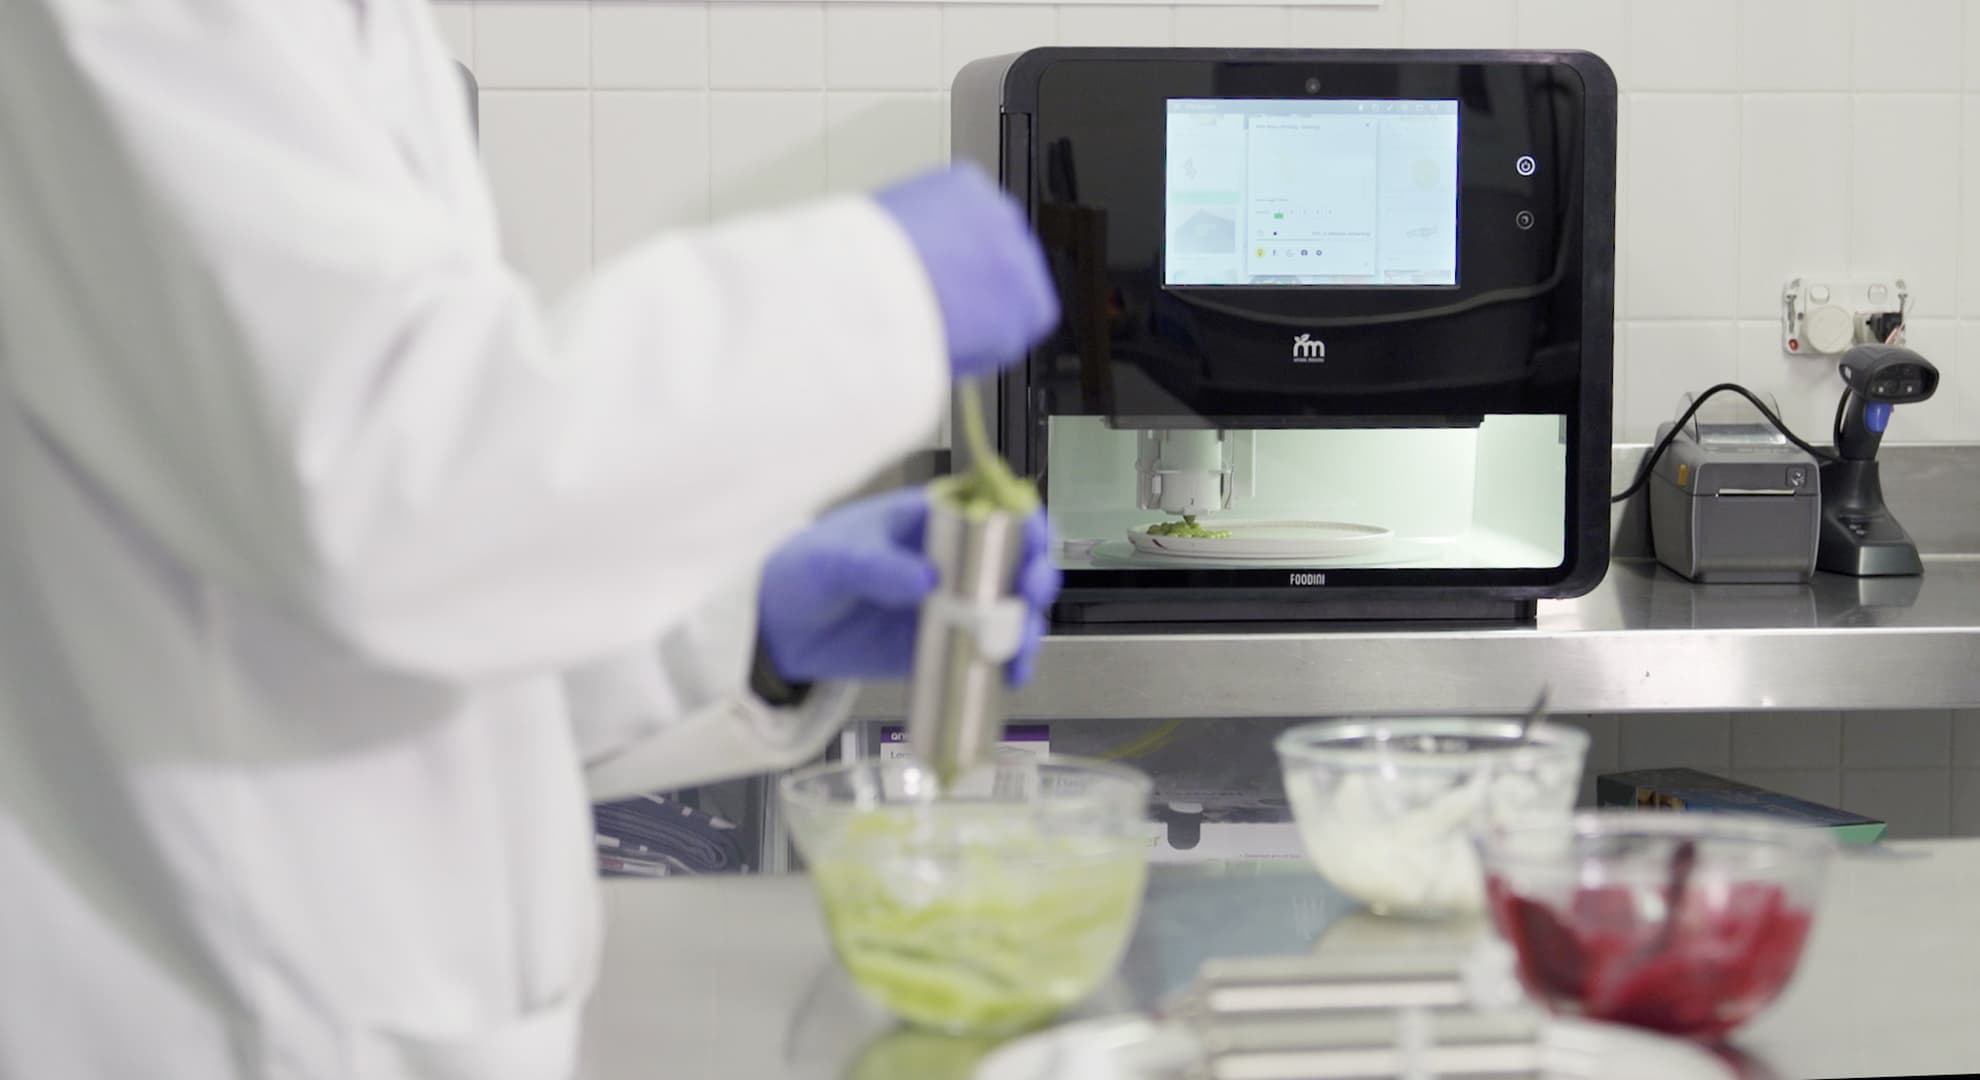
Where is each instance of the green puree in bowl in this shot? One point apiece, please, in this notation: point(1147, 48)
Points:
point(969, 920)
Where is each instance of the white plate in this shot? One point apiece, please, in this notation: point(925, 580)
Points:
point(1268, 540)
point(1132, 1048)
point(1397, 553)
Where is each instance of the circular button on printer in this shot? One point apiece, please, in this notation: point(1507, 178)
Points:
point(1523, 219)
point(1526, 165)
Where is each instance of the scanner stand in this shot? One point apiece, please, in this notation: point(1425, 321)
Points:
point(1859, 535)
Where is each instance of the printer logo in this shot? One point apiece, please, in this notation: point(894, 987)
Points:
point(1309, 579)
point(1307, 350)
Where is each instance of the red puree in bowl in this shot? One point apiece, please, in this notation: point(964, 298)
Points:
point(1729, 955)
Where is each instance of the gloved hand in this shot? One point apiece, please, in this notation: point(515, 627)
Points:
point(990, 279)
point(841, 600)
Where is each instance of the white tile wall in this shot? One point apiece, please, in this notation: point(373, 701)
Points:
point(1916, 802)
point(532, 44)
point(1689, 740)
point(1460, 24)
point(1966, 802)
point(766, 46)
point(648, 47)
point(1787, 740)
point(1684, 45)
point(1666, 359)
point(1604, 750)
point(649, 160)
point(1805, 387)
point(765, 149)
point(1681, 238)
point(1794, 44)
point(882, 46)
point(1919, 771)
point(970, 31)
point(1098, 24)
point(1230, 27)
point(1966, 739)
point(455, 19)
point(1906, 45)
point(1761, 139)
point(1969, 359)
point(1345, 28)
point(1904, 218)
point(1793, 209)
point(537, 146)
point(1847, 152)
point(1972, 60)
point(873, 138)
point(1619, 390)
point(1969, 251)
point(1883, 740)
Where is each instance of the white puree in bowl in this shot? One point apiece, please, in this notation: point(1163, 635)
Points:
point(1401, 842)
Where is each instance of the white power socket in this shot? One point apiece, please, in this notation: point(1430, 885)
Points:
point(1824, 316)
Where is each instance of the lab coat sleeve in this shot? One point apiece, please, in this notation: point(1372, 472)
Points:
point(340, 397)
point(682, 714)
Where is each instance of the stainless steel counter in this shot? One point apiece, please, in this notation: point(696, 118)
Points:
point(725, 978)
point(1645, 641)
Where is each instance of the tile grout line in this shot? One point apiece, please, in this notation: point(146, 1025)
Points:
point(705, 211)
point(590, 141)
point(1849, 146)
point(708, 113)
point(1738, 203)
point(825, 139)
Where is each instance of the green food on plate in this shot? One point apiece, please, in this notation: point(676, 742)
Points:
point(1187, 527)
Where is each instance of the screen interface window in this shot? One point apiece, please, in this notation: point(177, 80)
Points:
point(1293, 192)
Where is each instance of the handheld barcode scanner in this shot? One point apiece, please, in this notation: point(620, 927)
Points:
point(1859, 535)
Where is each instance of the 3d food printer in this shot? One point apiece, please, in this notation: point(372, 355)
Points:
point(1338, 335)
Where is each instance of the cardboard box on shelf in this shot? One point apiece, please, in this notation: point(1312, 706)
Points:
point(1701, 792)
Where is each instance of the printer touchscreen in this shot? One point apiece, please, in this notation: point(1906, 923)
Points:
point(1266, 192)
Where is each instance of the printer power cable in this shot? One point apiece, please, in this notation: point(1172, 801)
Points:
point(1657, 452)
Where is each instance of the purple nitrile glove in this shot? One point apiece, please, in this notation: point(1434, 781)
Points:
point(842, 599)
point(1038, 581)
point(989, 274)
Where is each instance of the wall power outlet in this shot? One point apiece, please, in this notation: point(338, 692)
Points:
point(1824, 316)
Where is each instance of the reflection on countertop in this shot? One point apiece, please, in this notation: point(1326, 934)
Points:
point(1644, 640)
point(722, 977)
point(1641, 595)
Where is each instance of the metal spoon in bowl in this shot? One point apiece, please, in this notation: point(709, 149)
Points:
point(1535, 714)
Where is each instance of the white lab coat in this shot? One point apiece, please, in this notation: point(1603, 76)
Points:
point(329, 560)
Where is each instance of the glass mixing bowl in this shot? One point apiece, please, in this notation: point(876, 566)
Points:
point(1686, 923)
point(984, 909)
point(1387, 808)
